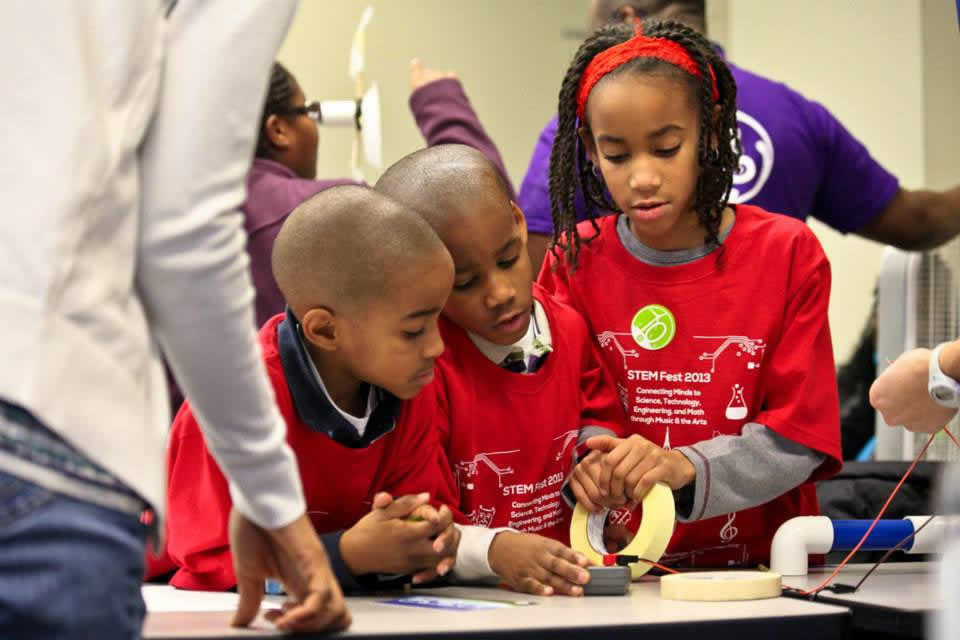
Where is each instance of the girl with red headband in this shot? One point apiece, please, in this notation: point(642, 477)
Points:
point(712, 317)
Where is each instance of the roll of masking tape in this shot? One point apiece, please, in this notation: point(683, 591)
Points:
point(717, 586)
point(650, 541)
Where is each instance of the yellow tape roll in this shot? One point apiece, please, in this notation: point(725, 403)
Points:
point(656, 528)
point(715, 586)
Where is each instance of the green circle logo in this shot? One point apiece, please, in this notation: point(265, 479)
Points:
point(653, 327)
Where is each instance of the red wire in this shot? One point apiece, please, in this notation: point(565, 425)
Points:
point(947, 431)
point(659, 566)
point(865, 535)
point(873, 524)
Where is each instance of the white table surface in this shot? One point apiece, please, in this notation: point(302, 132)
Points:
point(904, 586)
point(895, 600)
point(185, 614)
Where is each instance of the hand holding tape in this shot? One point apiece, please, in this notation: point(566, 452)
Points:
point(650, 541)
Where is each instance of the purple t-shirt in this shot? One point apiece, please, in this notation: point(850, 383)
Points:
point(797, 160)
point(273, 192)
point(444, 116)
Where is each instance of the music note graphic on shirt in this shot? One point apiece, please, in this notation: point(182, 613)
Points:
point(624, 397)
point(568, 438)
point(729, 532)
point(481, 516)
point(619, 516)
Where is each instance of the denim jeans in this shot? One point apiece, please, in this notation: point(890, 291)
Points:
point(68, 568)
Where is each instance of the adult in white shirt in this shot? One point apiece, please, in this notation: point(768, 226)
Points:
point(128, 129)
point(921, 391)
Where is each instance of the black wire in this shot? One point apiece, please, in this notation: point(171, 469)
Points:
point(845, 588)
point(895, 548)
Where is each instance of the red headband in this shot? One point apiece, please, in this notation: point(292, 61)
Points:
point(639, 46)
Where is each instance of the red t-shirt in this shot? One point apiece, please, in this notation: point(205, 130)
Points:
point(699, 350)
point(339, 482)
point(511, 437)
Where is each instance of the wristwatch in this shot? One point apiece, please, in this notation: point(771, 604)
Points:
point(944, 390)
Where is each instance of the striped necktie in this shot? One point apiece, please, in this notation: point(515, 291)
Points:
point(514, 362)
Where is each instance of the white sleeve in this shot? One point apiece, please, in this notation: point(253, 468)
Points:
point(473, 553)
point(192, 270)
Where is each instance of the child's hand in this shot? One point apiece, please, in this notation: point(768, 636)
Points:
point(616, 537)
point(585, 484)
point(534, 564)
point(420, 77)
point(631, 466)
point(388, 540)
point(445, 543)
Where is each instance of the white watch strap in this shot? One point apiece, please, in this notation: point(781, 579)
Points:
point(944, 390)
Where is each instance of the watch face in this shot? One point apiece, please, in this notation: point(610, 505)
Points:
point(942, 394)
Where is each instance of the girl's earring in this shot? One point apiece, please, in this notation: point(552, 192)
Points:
point(713, 156)
point(596, 172)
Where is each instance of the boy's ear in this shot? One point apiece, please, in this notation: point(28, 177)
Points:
point(521, 220)
point(321, 328)
point(588, 144)
point(278, 131)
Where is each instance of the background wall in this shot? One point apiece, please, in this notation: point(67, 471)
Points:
point(871, 80)
point(885, 68)
point(941, 92)
point(509, 54)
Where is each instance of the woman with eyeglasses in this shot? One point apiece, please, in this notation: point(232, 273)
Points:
point(284, 170)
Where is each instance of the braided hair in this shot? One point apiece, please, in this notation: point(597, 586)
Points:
point(570, 169)
point(283, 86)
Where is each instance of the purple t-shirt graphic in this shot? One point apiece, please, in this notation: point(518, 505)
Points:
point(797, 160)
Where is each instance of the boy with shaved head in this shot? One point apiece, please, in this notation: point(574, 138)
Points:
point(522, 385)
point(348, 361)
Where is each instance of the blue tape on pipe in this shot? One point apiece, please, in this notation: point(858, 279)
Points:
point(870, 448)
point(886, 535)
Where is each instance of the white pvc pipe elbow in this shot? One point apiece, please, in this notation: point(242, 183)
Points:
point(931, 539)
point(795, 540)
point(798, 537)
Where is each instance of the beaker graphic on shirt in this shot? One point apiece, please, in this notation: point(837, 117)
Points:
point(737, 409)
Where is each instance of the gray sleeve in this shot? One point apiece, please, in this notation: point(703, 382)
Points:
point(739, 472)
point(193, 272)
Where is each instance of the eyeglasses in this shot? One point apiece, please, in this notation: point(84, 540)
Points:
point(311, 110)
